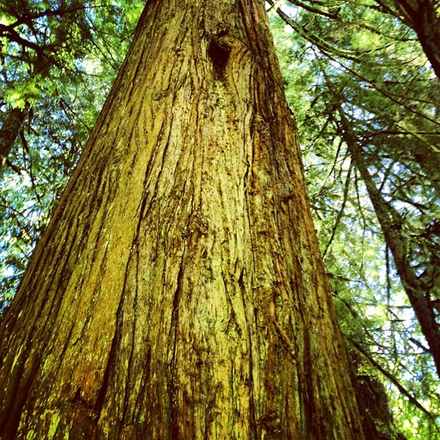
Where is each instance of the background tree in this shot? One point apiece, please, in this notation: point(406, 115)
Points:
point(424, 17)
point(64, 99)
point(33, 45)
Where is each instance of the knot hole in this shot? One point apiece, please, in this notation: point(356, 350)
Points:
point(219, 52)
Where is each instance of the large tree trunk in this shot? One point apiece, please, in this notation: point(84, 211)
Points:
point(178, 291)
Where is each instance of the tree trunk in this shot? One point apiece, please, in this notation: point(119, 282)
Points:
point(10, 130)
point(178, 291)
point(424, 17)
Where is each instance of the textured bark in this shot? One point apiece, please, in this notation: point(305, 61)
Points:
point(178, 291)
point(417, 290)
point(10, 130)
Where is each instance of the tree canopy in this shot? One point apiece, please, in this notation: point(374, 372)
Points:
point(362, 81)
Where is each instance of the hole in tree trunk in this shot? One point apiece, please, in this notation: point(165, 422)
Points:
point(219, 53)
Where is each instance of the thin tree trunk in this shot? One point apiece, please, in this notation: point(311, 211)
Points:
point(178, 291)
point(10, 130)
point(415, 287)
